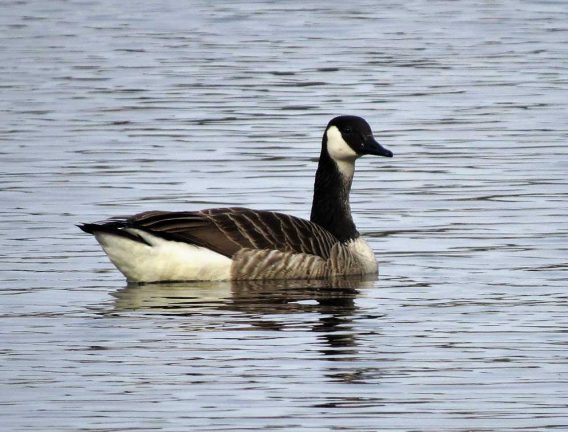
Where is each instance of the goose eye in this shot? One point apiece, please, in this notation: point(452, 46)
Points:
point(348, 130)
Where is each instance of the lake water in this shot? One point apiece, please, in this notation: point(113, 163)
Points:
point(112, 108)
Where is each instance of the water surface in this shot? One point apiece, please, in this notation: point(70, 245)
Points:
point(112, 109)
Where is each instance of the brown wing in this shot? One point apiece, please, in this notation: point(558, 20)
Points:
point(228, 230)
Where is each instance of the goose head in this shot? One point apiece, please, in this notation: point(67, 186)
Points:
point(347, 138)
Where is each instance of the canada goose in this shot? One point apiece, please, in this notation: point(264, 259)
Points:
point(239, 243)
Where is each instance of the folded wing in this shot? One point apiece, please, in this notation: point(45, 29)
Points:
point(228, 230)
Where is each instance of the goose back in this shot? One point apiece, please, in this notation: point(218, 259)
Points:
point(228, 230)
point(259, 244)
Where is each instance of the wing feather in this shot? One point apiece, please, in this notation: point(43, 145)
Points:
point(228, 230)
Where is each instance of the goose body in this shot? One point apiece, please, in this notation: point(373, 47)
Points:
point(239, 243)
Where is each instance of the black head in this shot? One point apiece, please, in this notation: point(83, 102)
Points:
point(349, 137)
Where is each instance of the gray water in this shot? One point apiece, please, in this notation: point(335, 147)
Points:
point(111, 108)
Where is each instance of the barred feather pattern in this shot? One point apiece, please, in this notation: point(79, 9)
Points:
point(228, 230)
point(273, 264)
point(261, 244)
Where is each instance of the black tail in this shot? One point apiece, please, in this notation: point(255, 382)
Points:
point(114, 228)
point(90, 228)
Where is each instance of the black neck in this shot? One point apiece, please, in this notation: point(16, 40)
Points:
point(330, 207)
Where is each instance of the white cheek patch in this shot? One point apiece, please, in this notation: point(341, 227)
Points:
point(337, 148)
point(343, 155)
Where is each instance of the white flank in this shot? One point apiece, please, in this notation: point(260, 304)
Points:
point(163, 260)
point(361, 249)
point(343, 155)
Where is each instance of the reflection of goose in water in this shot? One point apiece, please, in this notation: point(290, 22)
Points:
point(239, 243)
point(331, 300)
point(326, 308)
point(262, 297)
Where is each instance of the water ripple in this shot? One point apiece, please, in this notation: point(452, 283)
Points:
point(118, 108)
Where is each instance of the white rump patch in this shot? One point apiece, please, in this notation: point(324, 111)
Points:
point(163, 260)
point(343, 155)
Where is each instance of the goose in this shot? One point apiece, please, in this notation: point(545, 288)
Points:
point(237, 243)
